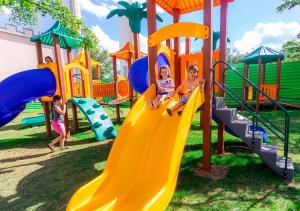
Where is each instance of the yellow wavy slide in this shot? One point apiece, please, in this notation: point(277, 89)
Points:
point(142, 167)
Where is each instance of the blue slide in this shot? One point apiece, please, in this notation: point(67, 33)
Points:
point(138, 74)
point(22, 87)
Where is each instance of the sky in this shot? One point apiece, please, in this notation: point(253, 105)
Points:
point(251, 23)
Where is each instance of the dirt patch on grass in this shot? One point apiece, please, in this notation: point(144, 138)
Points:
point(217, 172)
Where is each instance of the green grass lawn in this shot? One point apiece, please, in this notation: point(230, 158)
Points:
point(31, 178)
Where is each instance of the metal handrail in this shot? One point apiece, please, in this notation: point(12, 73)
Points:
point(256, 114)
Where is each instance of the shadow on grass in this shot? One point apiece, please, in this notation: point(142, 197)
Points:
point(51, 187)
point(248, 184)
point(13, 127)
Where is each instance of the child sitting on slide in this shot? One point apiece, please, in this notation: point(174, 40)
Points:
point(188, 87)
point(59, 110)
point(165, 87)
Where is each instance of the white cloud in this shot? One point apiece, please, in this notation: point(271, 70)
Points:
point(105, 41)
point(5, 10)
point(101, 10)
point(269, 34)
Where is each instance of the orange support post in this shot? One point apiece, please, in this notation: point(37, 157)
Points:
point(187, 45)
point(278, 71)
point(169, 43)
point(258, 83)
point(223, 46)
point(98, 71)
point(39, 54)
point(74, 108)
point(244, 86)
point(152, 51)
point(207, 75)
point(137, 46)
point(129, 62)
point(61, 76)
point(115, 86)
point(69, 57)
point(176, 17)
point(89, 67)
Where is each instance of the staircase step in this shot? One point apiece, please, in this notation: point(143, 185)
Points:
point(257, 143)
point(280, 164)
point(219, 102)
point(240, 128)
point(226, 114)
point(268, 152)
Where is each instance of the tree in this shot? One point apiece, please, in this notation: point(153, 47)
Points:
point(234, 56)
point(291, 50)
point(135, 13)
point(102, 55)
point(288, 4)
point(27, 12)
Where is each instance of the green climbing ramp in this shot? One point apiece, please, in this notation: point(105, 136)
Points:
point(98, 119)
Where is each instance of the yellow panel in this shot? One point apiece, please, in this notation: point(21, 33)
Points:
point(169, 53)
point(142, 167)
point(53, 67)
point(85, 78)
point(178, 30)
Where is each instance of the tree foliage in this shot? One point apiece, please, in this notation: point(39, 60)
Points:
point(234, 56)
point(288, 4)
point(102, 55)
point(291, 50)
point(27, 12)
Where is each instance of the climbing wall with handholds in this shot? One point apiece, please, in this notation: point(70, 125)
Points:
point(97, 117)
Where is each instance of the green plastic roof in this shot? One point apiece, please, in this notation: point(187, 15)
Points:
point(267, 55)
point(65, 38)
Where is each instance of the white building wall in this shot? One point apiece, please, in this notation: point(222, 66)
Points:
point(18, 53)
point(125, 35)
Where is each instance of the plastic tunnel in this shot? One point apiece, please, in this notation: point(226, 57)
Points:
point(22, 87)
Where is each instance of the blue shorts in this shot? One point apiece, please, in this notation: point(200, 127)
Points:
point(184, 98)
point(164, 93)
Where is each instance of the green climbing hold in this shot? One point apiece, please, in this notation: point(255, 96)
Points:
point(110, 128)
point(97, 124)
point(81, 101)
point(96, 105)
point(90, 112)
point(103, 116)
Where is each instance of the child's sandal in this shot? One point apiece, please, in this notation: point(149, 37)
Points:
point(169, 111)
point(51, 148)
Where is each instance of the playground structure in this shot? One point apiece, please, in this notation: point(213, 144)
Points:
point(143, 165)
point(262, 56)
point(54, 78)
point(154, 160)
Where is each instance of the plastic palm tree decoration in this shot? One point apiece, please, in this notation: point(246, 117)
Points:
point(135, 13)
point(216, 37)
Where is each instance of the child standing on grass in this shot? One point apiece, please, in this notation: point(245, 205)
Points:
point(165, 87)
point(58, 112)
point(188, 87)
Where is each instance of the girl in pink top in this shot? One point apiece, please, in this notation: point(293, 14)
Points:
point(165, 87)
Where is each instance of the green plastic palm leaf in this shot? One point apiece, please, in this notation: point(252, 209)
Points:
point(119, 12)
point(157, 16)
point(125, 4)
point(135, 13)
